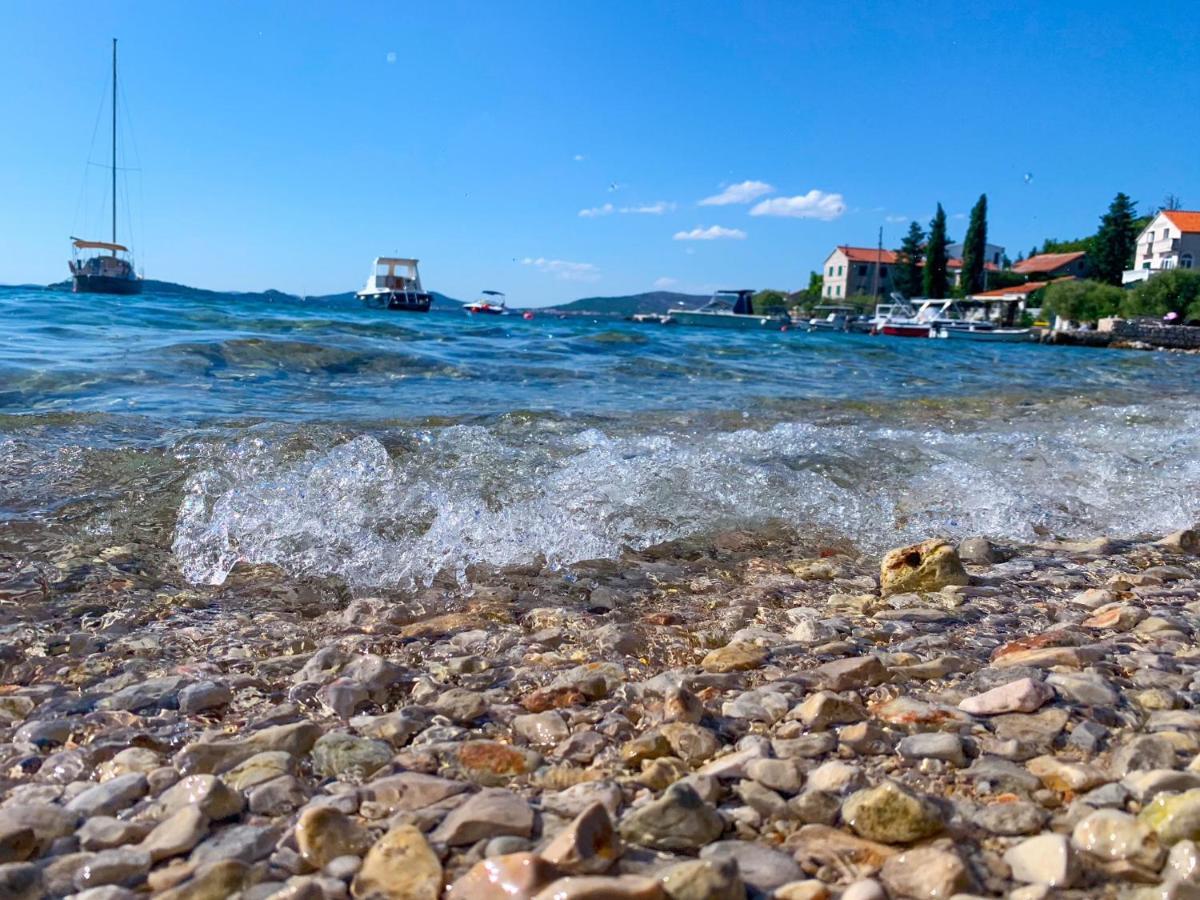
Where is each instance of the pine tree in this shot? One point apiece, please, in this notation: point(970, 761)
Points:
point(907, 278)
point(1115, 242)
point(975, 249)
point(935, 257)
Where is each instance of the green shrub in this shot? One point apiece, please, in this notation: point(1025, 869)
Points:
point(1175, 291)
point(1082, 301)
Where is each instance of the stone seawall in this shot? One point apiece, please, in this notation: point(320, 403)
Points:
point(1175, 337)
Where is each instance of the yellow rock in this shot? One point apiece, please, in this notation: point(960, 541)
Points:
point(401, 866)
point(928, 566)
point(738, 657)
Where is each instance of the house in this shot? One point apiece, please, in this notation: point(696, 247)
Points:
point(1048, 266)
point(1005, 304)
point(851, 271)
point(1170, 241)
point(993, 254)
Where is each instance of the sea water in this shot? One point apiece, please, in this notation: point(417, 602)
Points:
point(329, 439)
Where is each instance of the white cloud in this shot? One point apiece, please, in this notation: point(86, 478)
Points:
point(657, 208)
point(743, 192)
point(895, 219)
point(813, 205)
point(663, 283)
point(606, 210)
point(579, 157)
point(563, 269)
point(712, 233)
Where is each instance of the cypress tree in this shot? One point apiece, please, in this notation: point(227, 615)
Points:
point(975, 249)
point(935, 257)
point(1115, 242)
point(908, 279)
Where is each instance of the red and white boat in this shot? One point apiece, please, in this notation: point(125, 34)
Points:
point(490, 304)
point(903, 328)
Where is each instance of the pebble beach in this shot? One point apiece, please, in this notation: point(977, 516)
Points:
point(726, 718)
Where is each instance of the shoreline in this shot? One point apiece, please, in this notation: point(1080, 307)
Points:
point(700, 719)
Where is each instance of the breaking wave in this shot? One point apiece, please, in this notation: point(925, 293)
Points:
point(441, 500)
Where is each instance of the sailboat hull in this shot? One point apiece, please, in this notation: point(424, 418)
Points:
point(105, 284)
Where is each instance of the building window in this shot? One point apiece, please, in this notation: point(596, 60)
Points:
point(831, 271)
point(1146, 265)
point(1150, 237)
point(839, 271)
point(839, 290)
point(1185, 261)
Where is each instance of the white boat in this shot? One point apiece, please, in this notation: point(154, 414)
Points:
point(110, 271)
point(728, 309)
point(395, 283)
point(990, 333)
point(492, 303)
point(831, 318)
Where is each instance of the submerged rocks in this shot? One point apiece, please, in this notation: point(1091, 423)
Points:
point(399, 866)
point(891, 814)
point(679, 820)
point(570, 731)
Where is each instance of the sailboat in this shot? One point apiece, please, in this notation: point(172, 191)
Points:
point(109, 271)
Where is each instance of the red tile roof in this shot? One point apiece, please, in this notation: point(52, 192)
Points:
point(1018, 290)
point(1186, 221)
point(1047, 262)
point(869, 255)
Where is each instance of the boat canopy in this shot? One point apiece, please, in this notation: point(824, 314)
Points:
point(395, 261)
point(81, 244)
point(493, 293)
point(742, 306)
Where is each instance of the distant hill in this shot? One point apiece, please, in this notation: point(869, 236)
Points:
point(170, 288)
point(651, 302)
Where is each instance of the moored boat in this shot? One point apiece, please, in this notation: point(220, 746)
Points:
point(904, 328)
point(996, 335)
point(492, 303)
point(728, 309)
point(106, 272)
point(395, 284)
point(831, 318)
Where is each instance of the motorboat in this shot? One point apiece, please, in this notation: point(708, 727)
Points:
point(831, 318)
point(905, 328)
point(974, 332)
point(395, 284)
point(728, 309)
point(490, 304)
point(109, 271)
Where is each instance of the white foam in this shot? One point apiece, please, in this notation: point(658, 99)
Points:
point(465, 494)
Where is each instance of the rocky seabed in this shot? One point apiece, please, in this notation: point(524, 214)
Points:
point(739, 720)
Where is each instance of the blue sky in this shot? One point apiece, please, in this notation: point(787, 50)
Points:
point(286, 144)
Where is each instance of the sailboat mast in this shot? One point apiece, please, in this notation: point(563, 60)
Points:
point(114, 147)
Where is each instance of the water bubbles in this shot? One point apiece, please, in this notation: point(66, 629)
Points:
point(445, 499)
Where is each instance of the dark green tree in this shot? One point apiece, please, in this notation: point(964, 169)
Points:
point(1175, 291)
point(975, 249)
point(1115, 242)
point(907, 278)
point(766, 302)
point(936, 281)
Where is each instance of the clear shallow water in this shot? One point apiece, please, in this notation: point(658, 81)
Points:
point(384, 447)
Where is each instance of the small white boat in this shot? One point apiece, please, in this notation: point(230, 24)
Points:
point(831, 318)
point(728, 309)
point(395, 283)
point(998, 335)
point(492, 303)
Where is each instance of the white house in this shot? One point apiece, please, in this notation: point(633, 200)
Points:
point(1170, 241)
